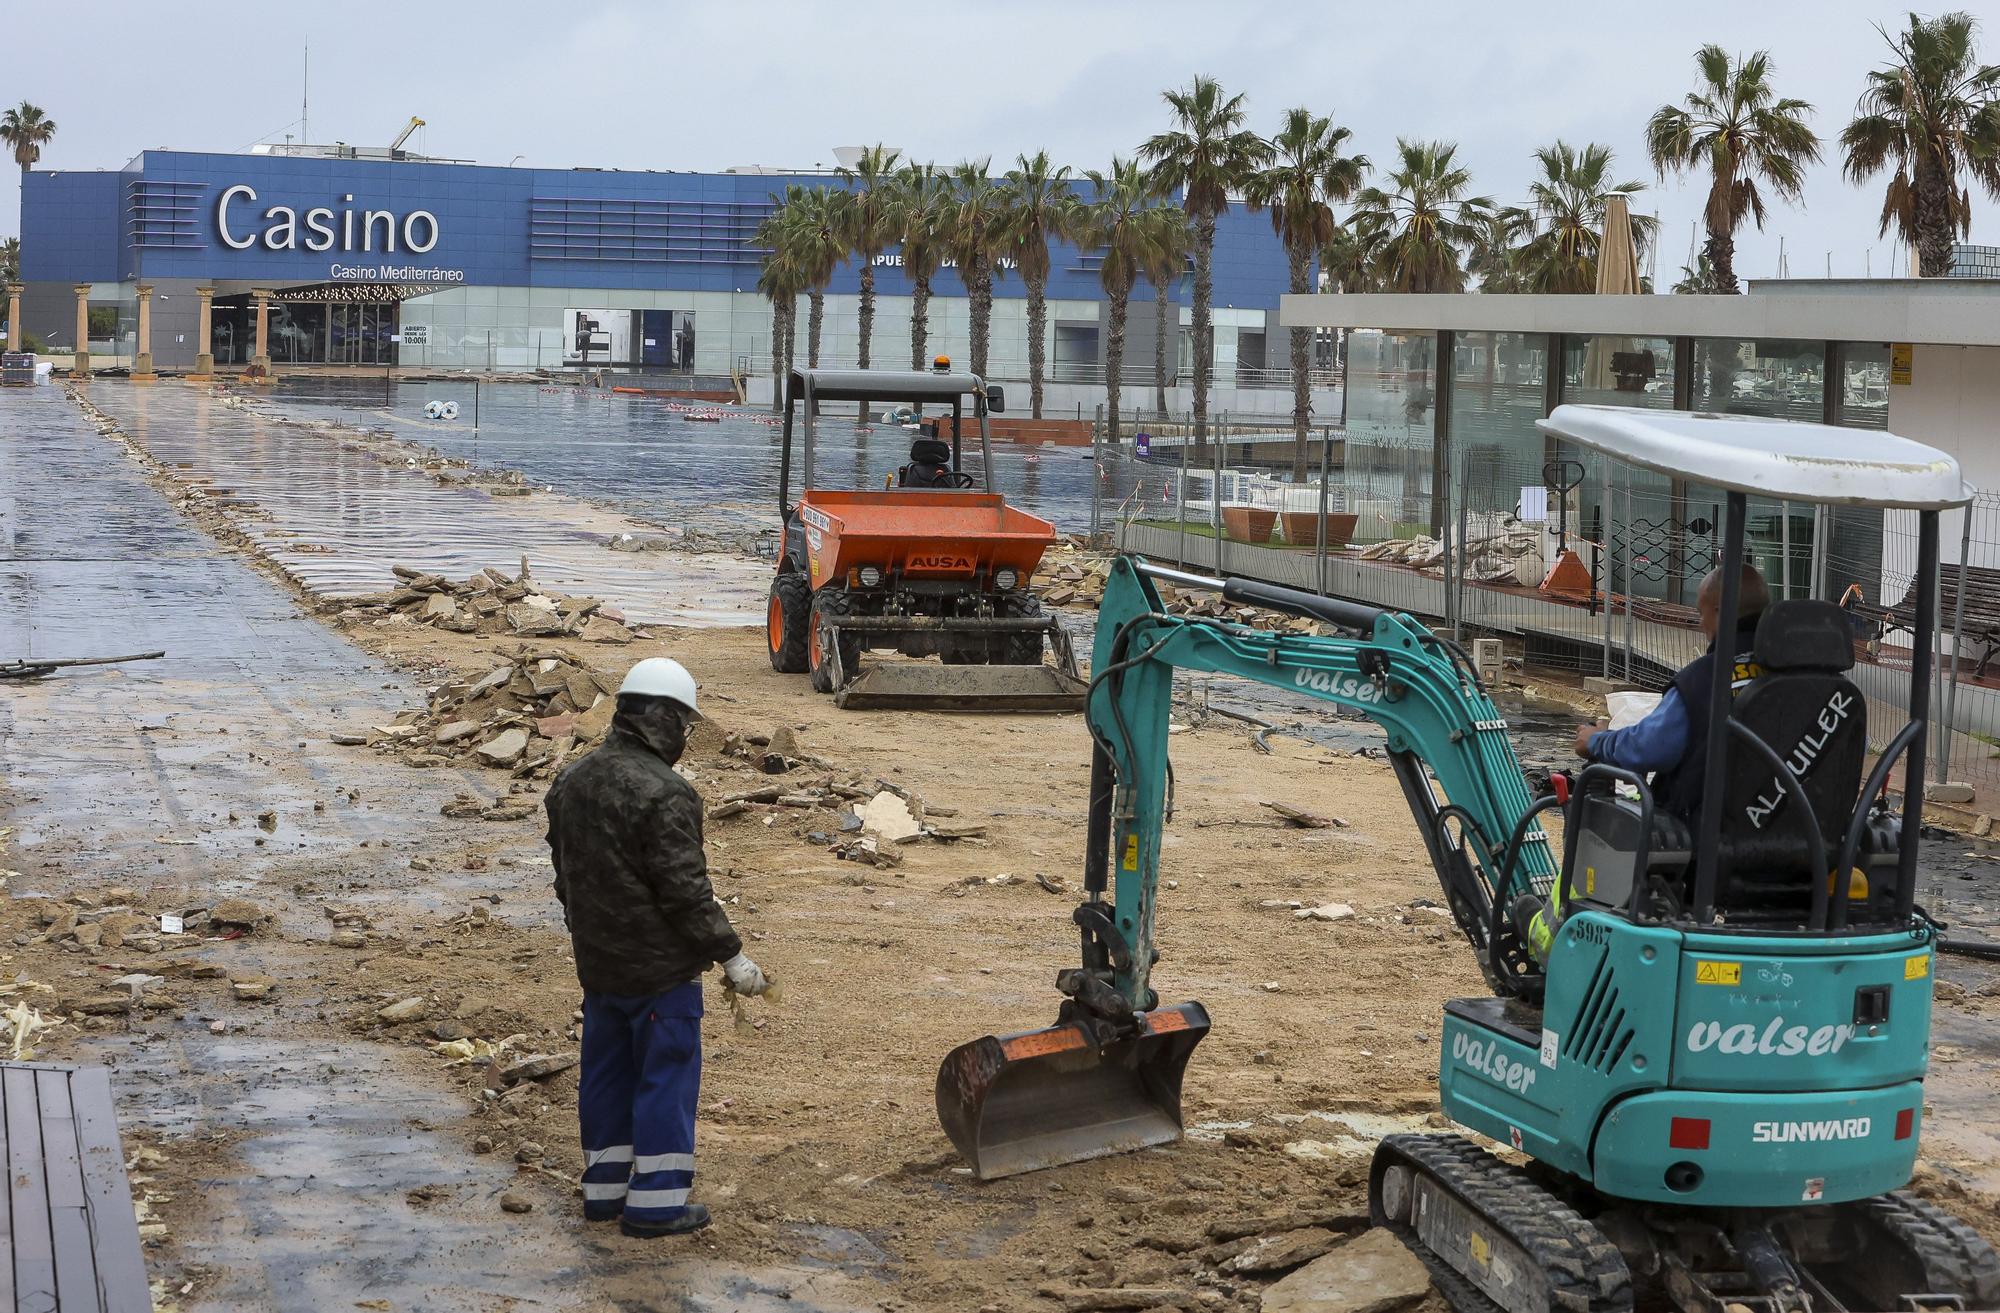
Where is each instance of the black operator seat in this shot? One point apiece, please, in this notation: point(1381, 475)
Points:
point(930, 467)
point(1800, 701)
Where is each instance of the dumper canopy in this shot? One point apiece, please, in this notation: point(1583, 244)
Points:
point(1777, 458)
point(807, 389)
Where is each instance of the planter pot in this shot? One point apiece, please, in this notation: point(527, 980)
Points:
point(1248, 524)
point(1300, 528)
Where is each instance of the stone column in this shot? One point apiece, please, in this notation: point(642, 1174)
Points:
point(80, 367)
point(14, 291)
point(260, 360)
point(204, 336)
point(142, 363)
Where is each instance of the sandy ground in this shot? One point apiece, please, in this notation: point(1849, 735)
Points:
point(819, 1150)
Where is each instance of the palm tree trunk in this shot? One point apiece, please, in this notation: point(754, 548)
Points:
point(791, 336)
point(1301, 368)
point(920, 321)
point(778, 378)
point(1161, 305)
point(1204, 328)
point(980, 287)
point(867, 311)
point(1932, 204)
point(1038, 318)
point(1721, 249)
point(814, 320)
point(1114, 362)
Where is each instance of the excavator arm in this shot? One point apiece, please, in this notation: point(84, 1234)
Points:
point(1107, 1076)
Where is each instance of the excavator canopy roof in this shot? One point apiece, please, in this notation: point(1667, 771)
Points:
point(884, 385)
point(1771, 457)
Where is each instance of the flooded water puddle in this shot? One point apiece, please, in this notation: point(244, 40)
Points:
point(336, 518)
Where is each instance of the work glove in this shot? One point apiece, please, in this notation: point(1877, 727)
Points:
point(745, 976)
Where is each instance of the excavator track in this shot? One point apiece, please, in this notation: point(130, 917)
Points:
point(1494, 1240)
point(1896, 1246)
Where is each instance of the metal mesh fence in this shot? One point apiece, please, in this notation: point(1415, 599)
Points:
point(1577, 562)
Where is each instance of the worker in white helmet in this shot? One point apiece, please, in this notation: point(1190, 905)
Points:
point(625, 833)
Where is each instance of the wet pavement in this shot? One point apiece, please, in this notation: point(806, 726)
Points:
point(641, 454)
point(336, 517)
point(346, 1178)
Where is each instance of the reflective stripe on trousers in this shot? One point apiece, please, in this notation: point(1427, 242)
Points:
point(641, 1078)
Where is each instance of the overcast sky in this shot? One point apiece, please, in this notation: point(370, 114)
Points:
point(675, 86)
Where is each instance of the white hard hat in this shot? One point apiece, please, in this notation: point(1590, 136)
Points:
point(661, 677)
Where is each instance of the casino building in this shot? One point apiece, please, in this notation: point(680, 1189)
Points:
point(372, 258)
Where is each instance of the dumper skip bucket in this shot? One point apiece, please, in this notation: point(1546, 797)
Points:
point(926, 686)
point(1018, 1103)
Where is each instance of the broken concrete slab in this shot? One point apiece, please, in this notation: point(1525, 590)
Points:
point(1325, 912)
point(889, 816)
point(599, 629)
point(1282, 1252)
point(504, 748)
point(409, 1009)
point(1372, 1273)
point(539, 1066)
point(454, 730)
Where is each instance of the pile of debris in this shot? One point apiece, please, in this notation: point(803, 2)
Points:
point(869, 823)
point(1497, 548)
point(527, 715)
point(1073, 584)
point(495, 602)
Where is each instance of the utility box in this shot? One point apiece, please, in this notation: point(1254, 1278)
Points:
point(1489, 658)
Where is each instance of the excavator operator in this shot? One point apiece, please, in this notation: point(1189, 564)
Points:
point(1671, 743)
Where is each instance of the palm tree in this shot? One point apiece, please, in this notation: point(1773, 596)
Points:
point(1306, 177)
point(26, 130)
point(1497, 255)
point(10, 259)
point(1736, 127)
point(922, 212)
point(1934, 110)
point(1567, 205)
point(1207, 155)
point(975, 241)
point(778, 278)
point(1420, 224)
point(1697, 279)
point(813, 234)
point(1347, 261)
point(1164, 260)
point(1118, 224)
point(1041, 206)
point(868, 226)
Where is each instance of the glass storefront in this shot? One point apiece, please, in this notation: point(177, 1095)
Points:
point(316, 332)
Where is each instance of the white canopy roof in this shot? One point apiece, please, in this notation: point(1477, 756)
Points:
point(1770, 457)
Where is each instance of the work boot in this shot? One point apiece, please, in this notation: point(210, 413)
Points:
point(603, 1214)
point(694, 1218)
point(1531, 922)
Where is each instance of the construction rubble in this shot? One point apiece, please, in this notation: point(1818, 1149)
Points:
point(1497, 549)
point(495, 602)
point(527, 715)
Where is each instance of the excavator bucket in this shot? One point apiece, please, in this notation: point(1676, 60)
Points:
point(926, 686)
point(1018, 1103)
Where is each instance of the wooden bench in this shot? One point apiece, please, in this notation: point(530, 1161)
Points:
point(71, 1235)
point(1982, 608)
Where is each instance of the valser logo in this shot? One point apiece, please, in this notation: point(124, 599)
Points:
point(1346, 687)
point(1487, 1058)
point(1776, 1039)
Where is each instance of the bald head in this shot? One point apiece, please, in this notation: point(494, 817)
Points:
point(1752, 596)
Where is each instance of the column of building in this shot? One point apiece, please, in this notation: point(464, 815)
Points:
point(204, 361)
point(14, 291)
point(260, 362)
point(142, 363)
point(80, 366)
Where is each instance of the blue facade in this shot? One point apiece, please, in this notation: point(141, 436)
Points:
point(494, 227)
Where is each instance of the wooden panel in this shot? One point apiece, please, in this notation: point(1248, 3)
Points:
point(34, 1246)
point(121, 1264)
point(69, 1224)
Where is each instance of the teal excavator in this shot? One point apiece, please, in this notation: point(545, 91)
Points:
point(1709, 1094)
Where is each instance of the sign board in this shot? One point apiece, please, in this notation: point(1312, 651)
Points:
point(1144, 444)
point(1534, 504)
point(414, 335)
point(1901, 358)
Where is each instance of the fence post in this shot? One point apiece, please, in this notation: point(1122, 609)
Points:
point(1319, 538)
point(1180, 543)
point(1820, 518)
point(1957, 636)
point(1785, 546)
point(1628, 575)
point(1455, 580)
point(1216, 442)
point(1096, 471)
point(1609, 559)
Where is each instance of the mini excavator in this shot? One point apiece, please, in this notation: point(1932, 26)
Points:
point(1713, 1086)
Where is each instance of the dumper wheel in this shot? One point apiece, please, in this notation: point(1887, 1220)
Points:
point(1019, 649)
point(830, 602)
point(788, 621)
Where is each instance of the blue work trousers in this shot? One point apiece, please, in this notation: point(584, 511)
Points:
point(636, 1102)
